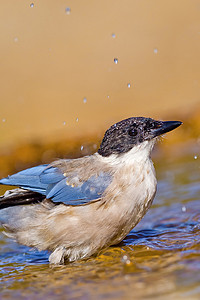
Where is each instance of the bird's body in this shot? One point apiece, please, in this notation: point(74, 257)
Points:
point(101, 197)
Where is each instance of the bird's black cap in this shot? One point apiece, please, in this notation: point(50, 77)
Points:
point(124, 135)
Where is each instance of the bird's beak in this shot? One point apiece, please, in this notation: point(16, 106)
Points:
point(166, 127)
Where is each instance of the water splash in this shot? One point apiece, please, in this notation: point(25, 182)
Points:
point(32, 5)
point(116, 61)
point(155, 50)
point(125, 259)
point(129, 85)
point(68, 10)
point(183, 209)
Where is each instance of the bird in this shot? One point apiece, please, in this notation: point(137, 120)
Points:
point(75, 208)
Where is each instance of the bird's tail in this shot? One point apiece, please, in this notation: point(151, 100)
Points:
point(22, 222)
point(19, 197)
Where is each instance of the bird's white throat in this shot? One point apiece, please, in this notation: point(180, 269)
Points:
point(138, 154)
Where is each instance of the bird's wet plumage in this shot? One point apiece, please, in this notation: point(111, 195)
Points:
point(71, 187)
point(74, 208)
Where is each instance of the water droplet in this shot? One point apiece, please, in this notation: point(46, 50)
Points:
point(195, 157)
point(76, 119)
point(183, 209)
point(116, 61)
point(155, 50)
point(32, 5)
point(84, 100)
point(113, 35)
point(129, 85)
point(68, 10)
point(64, 123)
point(125, 260)
point(81, 147)
point(3, 120)
point(16, 39)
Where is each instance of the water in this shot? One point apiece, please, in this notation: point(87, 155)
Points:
point(159, 259)
point(68, 10)
point(155, 50)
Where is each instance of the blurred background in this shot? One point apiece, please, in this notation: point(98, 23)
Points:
point(70, 69)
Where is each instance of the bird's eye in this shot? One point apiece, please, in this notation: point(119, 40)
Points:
point(133, 132)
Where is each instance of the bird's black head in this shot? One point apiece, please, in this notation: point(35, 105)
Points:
point(124, 135)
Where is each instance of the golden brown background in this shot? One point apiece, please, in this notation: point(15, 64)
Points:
point(51, 60)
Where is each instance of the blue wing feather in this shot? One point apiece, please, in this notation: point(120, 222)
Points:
point(51, 175)
point(52, 183)
point(27, 179)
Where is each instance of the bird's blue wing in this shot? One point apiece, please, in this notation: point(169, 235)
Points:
point(51, 182)
point(73, 191)
point(28, 179)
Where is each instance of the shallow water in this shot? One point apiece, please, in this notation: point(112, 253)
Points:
point(159, 259)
